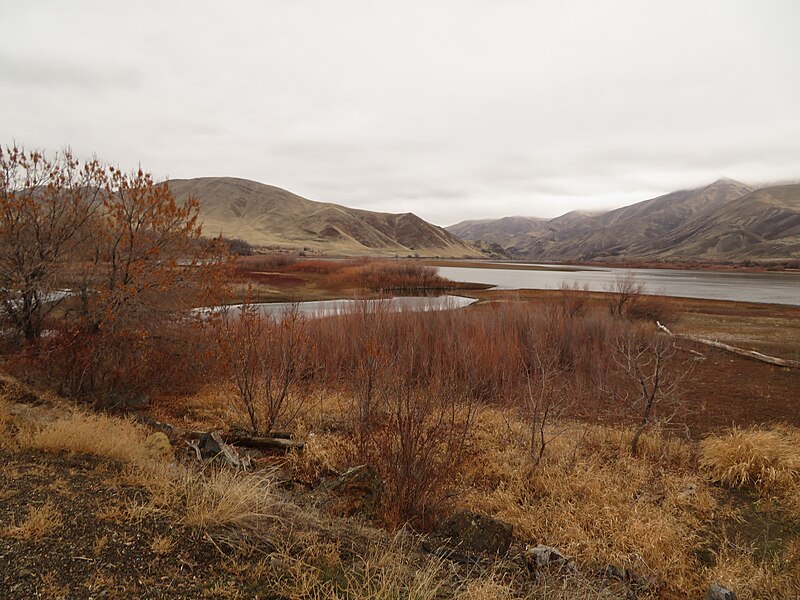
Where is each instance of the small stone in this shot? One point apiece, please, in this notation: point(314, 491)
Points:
point(719, 592)
point(157, 447)
point(546, 557)
point(478, 533)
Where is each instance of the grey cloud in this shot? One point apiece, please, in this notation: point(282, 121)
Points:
point(52, 72)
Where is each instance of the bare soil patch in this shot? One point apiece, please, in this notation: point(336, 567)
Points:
point(92, 552)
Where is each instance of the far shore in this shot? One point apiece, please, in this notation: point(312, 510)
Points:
point(528, 265)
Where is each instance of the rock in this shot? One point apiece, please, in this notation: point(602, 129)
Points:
point(356, 491)
point(157, 447)
point(208, 446)
point(478, 533)
point(719, 592)
point(546, 557)
point(635, 582)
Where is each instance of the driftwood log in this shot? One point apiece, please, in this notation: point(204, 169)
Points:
point(770, 360)
point(279, 441)
point(264, 443)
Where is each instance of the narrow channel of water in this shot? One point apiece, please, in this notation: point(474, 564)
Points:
point(327, 308)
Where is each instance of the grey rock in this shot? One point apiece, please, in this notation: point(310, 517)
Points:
point(719, 592)
point(541, 558)
point(208, 447)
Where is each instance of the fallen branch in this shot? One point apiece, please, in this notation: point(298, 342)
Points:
point(280, 441)
point(265, 443)
point(770, 360)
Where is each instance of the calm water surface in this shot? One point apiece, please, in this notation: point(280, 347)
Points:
point(327, 308)
point(774, 288)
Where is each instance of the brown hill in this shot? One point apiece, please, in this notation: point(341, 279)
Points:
point(497, 230)
point(271, 216)
point(763, 224)
point(726, 220)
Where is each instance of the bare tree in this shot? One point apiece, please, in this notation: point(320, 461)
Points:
point(543, 405)
point(647, 361)
point(623, 292)
point(265, 356)
point(45, 208)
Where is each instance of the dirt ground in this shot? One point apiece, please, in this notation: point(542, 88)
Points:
point(89, 551)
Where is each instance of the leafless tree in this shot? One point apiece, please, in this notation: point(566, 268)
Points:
point(45, 207)
point(265, 355)
point(647, 361)
point(623, 292)
point(543, 405)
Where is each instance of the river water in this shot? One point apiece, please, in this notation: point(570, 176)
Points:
point(770, 287)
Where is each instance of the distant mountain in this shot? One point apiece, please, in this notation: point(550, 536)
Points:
point(271, 216)
point(726, 220)
point(496, 230)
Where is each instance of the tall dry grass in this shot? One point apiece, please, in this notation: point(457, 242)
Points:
point(224, 498)
point(766, 459)
point(95, 434)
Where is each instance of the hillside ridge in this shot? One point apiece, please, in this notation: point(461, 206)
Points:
point(267, 215)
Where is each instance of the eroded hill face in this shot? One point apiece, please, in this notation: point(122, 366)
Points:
point(267, 215)
point(726, 220)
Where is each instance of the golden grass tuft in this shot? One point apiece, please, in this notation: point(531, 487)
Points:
point(225, 498)
point(40, 521)
point(90, 433)
point(595, 501)
point(758, 457)
point(162, 545)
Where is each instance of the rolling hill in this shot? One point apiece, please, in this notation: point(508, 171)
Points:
point(270, 216)
point(726, 220)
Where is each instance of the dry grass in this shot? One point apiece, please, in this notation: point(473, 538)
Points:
point(756, 457)
point(89, 433)
point(595, 501)
point(41, 521)
point(162, 545)
point(225, 498)
point(390, 569)
point(766, 459)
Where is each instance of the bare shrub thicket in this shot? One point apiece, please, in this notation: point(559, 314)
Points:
point(353, 274)
point(622, 293)
point(487, 350)
point(415, 378)
point(265, 355)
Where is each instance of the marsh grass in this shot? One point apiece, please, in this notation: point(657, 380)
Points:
point(761, 457)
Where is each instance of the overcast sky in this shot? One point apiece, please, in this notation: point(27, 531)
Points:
point(452, 110)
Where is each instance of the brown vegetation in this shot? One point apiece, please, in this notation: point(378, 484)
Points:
point(107, 262)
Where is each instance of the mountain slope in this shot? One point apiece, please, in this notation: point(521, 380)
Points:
point(619, 232)
point(726, 220)
point(496, 230)
point(271, 216)
point(762, 224)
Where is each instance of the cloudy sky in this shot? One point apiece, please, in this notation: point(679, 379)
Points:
point(452, 110)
